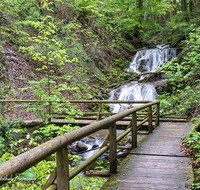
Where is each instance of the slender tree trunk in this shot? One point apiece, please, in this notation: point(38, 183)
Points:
point(140, 4)
point(128, 5)
point(145, 14)
point(184, 9)
point(197, 14)
point(40, 6)
point(175, 10)
point(191, 6)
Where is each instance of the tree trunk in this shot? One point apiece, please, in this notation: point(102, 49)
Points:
point(40, 6)
point(191, 6)
point(175, 10)
point(145, 13)
point(140, 4)
point(184, 9)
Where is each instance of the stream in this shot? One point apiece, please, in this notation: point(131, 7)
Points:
point(146, 60)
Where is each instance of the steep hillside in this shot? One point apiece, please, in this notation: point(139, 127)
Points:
point(95, 51)
point(86, 43)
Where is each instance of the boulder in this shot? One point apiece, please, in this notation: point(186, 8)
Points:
point(81, 146)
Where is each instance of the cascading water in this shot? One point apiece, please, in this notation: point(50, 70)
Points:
point(132, 91)
point(147, 60)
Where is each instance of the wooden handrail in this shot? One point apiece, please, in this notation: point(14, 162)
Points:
point(80, 101)
point(28, 159)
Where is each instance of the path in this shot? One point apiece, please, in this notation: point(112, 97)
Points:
point(157, 162)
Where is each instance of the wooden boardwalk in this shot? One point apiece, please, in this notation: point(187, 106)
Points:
point(157, 162)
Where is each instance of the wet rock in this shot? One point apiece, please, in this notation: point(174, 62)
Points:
point(122, 154)
point(95, 146)
point(91, 140)
point(161, 87)
point(160, 83)
point(81, 146)
point(72, 149)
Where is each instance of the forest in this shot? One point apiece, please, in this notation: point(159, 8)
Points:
point(53, 50)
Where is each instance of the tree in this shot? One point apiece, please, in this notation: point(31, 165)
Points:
point(46, 50)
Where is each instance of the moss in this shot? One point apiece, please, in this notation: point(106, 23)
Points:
point(198, 172)
point(105, 96)
point(113, 182)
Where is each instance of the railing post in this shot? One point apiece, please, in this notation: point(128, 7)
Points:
point(157, 123)
point(49, 119)
point(150, 128)
point(62, 169)
point(99, 112)
point(113, 148)
point(134, 130)
point(2, 106)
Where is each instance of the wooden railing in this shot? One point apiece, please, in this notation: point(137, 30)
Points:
point(59, 144)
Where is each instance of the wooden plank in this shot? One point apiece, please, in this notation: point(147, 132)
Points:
point(156, 163)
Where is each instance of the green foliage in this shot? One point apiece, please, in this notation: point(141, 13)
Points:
point(7, 126)
point(45, 49)
point(192, 140)
point(181, 73)
point(101, 165)
point(79, 182)
point(52, 130)
point(195, 186)
point(2, 146)
point(197, 122)
point(183, 81)
point(6, 92)
point(74, 159)
point(36, 177)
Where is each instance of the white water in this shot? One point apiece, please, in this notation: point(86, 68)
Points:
point(147, 60)
point(132, 91)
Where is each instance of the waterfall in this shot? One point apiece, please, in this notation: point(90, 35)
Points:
point(146, 60)
point(132, 91)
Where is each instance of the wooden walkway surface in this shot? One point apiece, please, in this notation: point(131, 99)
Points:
point(157, 162)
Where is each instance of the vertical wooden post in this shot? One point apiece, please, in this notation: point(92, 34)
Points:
point(134, 130)
point(150, 128)
point(62, 169)
point(113, 148)
point(157, 123)
point(2, 106)
point(99, 112)
point(49, 119)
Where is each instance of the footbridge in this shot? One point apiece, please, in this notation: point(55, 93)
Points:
point(155, 161)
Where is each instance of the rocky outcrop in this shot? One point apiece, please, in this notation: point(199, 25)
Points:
point(161, 86)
